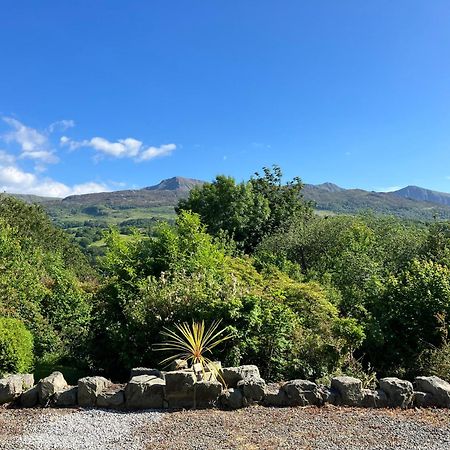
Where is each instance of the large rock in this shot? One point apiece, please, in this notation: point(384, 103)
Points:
point(437, 387)
point(274, 395)
point(232, 375)
point(10, 388)
point(399, 393)
point(329, 395)
point(137, 371)
point(89, 388)
point(349, 388)
point(232, 399)
point(29, 398)
point(67, 398)
point(253, 389)
point(145, 392)
point(423, 399)
point(302, 393)
point(112, 397)
point(207, 393)
point(180, 391)
point(374, 399)
point(49, 386)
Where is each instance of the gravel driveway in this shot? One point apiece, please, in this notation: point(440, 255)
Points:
point(251, 428)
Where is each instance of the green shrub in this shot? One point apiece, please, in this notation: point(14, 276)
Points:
point(16, 346)
point(439, 362)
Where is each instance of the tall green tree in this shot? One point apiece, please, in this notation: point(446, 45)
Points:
point(250, 210)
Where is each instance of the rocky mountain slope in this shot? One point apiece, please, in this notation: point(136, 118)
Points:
point(158, 201)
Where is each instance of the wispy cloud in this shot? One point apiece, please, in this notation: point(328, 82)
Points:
point(123, 148)
point(389, 189)
point(26, 143)
point(33, 143)
point(155, 152)
point(61, 125)
point(17, 181)
point(6, 158)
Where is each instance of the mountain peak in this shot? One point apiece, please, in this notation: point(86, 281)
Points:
point(424, 195)
point(330, 187)
point(175, 184)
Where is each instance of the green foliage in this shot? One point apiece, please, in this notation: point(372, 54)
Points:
point(182, 274)
point(304, 296)
point(407, 318)
point(438, 362)
point(194, 344)
point(250, 210)
point(16, 346)
point(43, 280)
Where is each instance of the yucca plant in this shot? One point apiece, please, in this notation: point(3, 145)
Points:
point(192, 343)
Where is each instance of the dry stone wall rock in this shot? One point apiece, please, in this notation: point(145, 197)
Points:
point(400, 393)
point(232, 375)
point(145, 392)
point(207, 393)
point(275, 395)
point(10, 388)
point(112, 397)
point(349, 389)
point(182, 389)
point(49, 386)
point(232, 398)
point(253, 389)
point(135, 372)
point(29, 398)
point(438, 388)
point(302, 393)
point(89, 388)
point(67, 397)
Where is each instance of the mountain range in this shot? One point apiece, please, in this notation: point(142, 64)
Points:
point(411, 202)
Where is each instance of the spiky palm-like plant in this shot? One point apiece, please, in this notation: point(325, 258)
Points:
point(192, 343)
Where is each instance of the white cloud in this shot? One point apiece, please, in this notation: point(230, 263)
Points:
point(389, 189)
point(123, 148)
point(6, 158)
point(33, 144)
point(154, 152)
point(16, 178)
point(61, 125)
point(28, 138)
point(16, 181)
point(41, 155)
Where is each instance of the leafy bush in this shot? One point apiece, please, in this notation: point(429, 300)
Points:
point(43, 280)
point(250, 210)
point(408, 317)
point(182, 274)
point(16, 346)
point(438, 362)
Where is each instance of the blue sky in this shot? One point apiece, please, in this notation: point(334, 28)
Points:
point(98, 95)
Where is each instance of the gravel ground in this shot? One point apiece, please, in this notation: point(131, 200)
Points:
point(92, 429)
point(251, 428)
point(302, 428)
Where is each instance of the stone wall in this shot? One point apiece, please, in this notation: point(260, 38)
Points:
point(152, 389)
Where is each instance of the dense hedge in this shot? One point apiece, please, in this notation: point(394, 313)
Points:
point(16, 346)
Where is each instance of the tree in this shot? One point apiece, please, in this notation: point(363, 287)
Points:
point(408, 317)
point(250, 210)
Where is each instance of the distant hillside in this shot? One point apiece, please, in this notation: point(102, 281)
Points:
point(140, 207)
point(176, 184)
point(423, 195)
point(329, 197)
point(29, 198)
